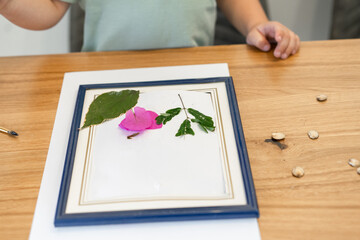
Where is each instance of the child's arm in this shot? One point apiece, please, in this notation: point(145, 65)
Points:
point(249, 18)
point(33, 14)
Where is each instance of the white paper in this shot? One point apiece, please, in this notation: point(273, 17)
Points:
point(156, 164)
point(43, 222)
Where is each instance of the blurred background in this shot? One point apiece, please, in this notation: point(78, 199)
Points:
point(310, 19)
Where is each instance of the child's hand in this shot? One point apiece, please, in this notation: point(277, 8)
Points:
point(261, 36)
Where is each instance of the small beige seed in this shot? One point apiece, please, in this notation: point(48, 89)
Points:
point(298, 172)
point(358, 170)
point(354, 162)
point(321, 98)
point(313, 134)
point(278, 136)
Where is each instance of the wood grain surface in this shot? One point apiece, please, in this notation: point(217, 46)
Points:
point(273, 96)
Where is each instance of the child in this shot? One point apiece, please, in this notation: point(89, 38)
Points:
point(151, 24)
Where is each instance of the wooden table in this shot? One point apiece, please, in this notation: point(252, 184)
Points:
point(273, 95)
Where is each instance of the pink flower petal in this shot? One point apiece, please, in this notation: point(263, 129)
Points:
point(138, 120)
point(154, 115)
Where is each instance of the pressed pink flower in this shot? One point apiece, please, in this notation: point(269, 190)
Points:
point(139, 120)
point(153, 116)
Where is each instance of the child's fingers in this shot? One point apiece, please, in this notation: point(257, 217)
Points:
point(297, 44)
point(279, 32)
point(282, 45)
point(287, 42)
point(291, 47)
point(271, 30)
point(256, 39)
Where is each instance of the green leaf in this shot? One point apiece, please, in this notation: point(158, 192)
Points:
point(185, 128)
point(205, 122)
point(203, 127)
point(211, 129)
point(167, 116)
point(200, 125)
point(110, 105)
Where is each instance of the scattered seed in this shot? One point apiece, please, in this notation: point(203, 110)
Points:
point(354, 162)
point(298, 172)
point(313, 134)
point(358, 170)
point(321, 98)
point(278, 136)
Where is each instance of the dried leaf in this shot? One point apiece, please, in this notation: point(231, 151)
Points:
point(167, 116)
point(110, 105)
point(185, 128)
point(205, 122)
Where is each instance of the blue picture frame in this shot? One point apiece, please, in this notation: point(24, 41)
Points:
point(249, 210)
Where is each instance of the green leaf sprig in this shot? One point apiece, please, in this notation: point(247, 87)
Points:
point(205, 122)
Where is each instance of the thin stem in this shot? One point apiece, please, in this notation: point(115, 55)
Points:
point(187, 117)
point(133, 135)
